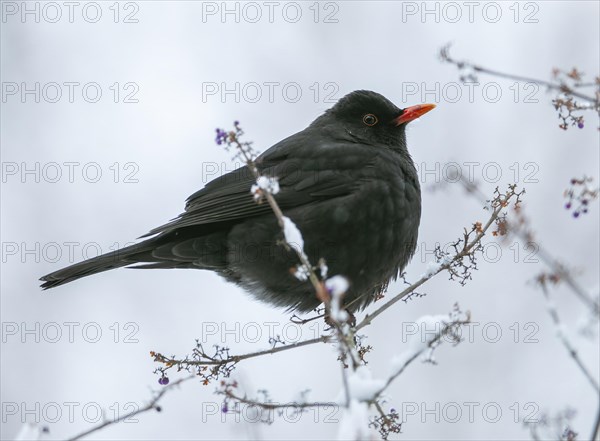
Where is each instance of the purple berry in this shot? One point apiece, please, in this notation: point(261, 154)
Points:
point(165, 380)
point(224, 409)
point(580, 124)
point(576, 214)
point(585, 210)
point(568, 205)
point(584, 201)
point(236, 123)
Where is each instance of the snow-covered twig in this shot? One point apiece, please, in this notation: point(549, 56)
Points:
point(447, 326)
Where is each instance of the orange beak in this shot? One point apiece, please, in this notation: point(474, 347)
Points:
point(413, 112)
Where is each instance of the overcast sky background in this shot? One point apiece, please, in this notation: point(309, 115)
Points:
point(174, 54)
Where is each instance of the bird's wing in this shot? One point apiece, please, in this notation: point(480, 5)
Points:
point(311, 173)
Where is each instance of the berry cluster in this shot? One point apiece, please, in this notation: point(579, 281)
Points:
point(222, 135)
point(579, 196)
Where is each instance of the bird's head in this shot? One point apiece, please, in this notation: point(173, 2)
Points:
point(372, 118)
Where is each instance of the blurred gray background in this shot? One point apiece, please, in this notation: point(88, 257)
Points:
point(152, 153)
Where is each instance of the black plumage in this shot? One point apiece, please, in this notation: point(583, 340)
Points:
point(348, 183)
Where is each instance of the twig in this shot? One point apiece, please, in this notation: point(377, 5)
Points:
point(596, 431)
point(566, 276)
point(445, 56)
point(152, 405)
point(469, 246)
point(170, 361)
point(448, 328)
point(233, 138)
point(273, 405)
point(544, 255)
point(386, 423)
point(563, 338)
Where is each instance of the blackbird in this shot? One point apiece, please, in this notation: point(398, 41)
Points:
point(348, 183)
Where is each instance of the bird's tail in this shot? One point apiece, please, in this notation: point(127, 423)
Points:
point(116, 259)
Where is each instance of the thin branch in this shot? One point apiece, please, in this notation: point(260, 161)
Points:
point(565, 275)
point(170, 361)
point(445, 56)
point(469, 246)
point(269, 405)
point(564, 340)
point(596, 431)
point(381, 411)
point(233, 138)
point(558, 268)
point(152, 405)
point(448, 328)
point(386, 423)
point(345, 383)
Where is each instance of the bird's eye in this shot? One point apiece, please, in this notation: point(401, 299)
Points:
point(370, 119)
